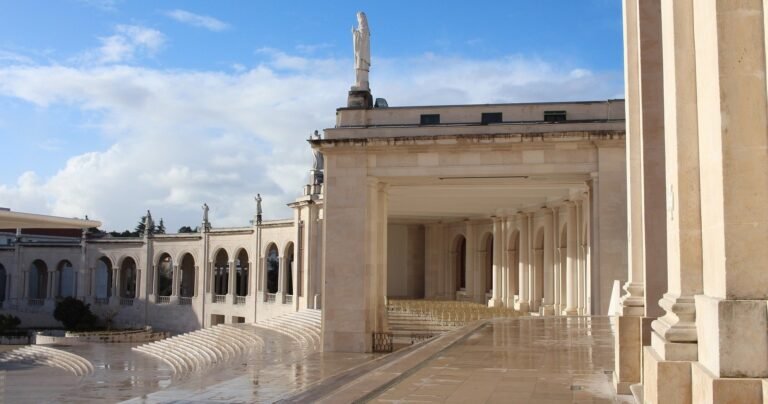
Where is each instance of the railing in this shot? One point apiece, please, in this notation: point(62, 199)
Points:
point(185, 301)
point(219, 298)
point(239, 299)
point(163, 300)
point(270, 297)
point(101, 300)
point(36, 302)
point(382, 342)
point(126, 301)
point(288, 299)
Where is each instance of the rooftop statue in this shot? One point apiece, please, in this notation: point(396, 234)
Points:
point(362, 44)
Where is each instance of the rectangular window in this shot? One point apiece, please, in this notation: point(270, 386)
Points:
point(554, 116)
point(430, 119)
point(490, 117)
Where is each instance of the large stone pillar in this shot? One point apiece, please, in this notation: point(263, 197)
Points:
point(580, 259)
point(667, 364)
point(557, 287)
point(350, 231)
point(497, 243)
point(571, 262)
point(549, 271)
point(523, 303)
point(731, 315)
point(381, 256)
point(646, 189)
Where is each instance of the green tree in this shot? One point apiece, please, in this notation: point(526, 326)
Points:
point(160, 229)
point(74, 314)
point(8, 322)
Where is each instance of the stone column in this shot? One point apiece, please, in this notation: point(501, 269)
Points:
point(381, 252)
point(523, 303)
point(646, 189)
point(497, 243)
point(580, 259)
point(549, 270)
point(571, 263)
point(556, 264)
point(732, 333)
point(667, 364)
point(116, 282)
point(470, 263)
point(531, 265)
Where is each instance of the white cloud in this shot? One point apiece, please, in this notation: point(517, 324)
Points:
point(181, 138)
point(197, 20)
point(125, 44)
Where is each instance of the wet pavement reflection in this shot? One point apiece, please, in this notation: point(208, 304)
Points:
point(525, 360)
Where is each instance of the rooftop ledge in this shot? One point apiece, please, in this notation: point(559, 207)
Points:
point(606, 135)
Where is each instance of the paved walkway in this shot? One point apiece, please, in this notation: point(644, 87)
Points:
point(526, 360)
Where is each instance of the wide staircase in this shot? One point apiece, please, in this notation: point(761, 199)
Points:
point(204, 348)
point(44, 356)
point(412, 321)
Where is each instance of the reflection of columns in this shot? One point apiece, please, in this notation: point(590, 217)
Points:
point(667, 364)
point(571, 262)
point(549, 269)
point(497, 243)
point(523, 302)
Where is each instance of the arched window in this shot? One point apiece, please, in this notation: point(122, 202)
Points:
point(66, 277)
point(38, 280)
point(461, 263)
point(273, 269)
point(164, 275)
point(187, 285)
point(289, 269)
point(221, 273)
point(241, 266)
point(103, 278)
point(128, 278)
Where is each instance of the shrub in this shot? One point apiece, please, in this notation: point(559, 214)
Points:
point(8, 322)
point(74, 314)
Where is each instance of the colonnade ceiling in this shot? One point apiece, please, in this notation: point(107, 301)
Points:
point(431, 199)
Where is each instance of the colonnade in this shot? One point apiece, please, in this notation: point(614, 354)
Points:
point(540, 259)
point(693, 325)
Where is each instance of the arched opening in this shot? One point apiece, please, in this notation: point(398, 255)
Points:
point(488, 262)
point(164, 275)
point(103, 278)
point(461, 263)
point(128, 278)
point(38, 280)
point(273, 268)
point(538, 270)
point(187, 286)
point(66, 277)
point(221, 273)
point(2, 283)
point(241, 266)
point(289, 269)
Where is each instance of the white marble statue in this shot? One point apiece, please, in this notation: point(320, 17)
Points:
point(362, 44)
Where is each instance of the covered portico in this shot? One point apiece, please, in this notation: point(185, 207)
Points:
point(508, 215)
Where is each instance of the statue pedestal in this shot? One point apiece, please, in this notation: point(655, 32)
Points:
point(360, 99)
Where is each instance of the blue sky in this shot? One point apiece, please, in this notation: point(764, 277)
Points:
point(114, 107)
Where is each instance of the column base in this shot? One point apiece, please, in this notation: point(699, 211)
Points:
point(495, 303)
point(548, 310)
point(665, 381)
point(706, 388)
point(522, 306)
point(674, 351)
point(627, 370)
point(570, 311)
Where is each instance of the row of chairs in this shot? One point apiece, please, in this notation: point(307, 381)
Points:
point(450, 312)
